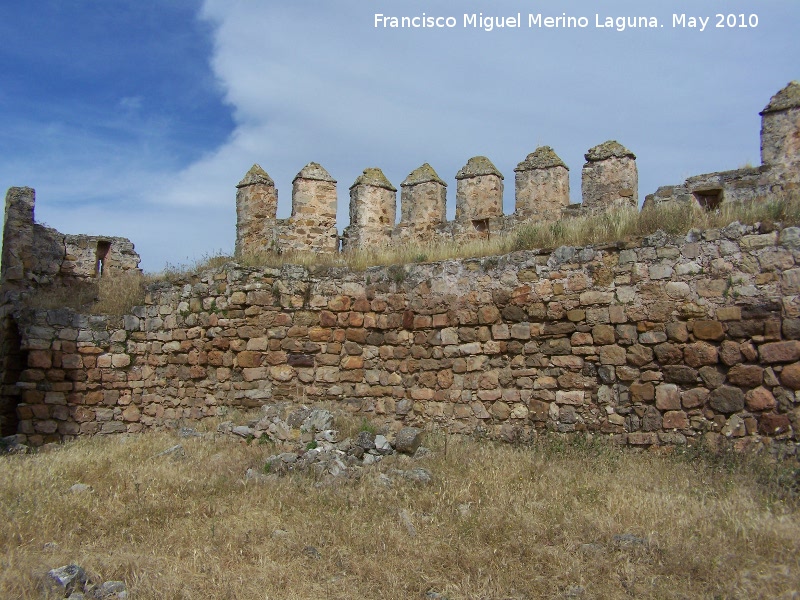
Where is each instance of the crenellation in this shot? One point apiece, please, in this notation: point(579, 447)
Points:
point(609, 177)
point(373, 211)
point(312, 226)
point(256, 210)
point(423, 200)
point(664, 340)
point(479, 191)
point(541, 186)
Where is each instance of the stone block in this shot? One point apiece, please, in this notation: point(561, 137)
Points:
point(759, 399)
point(675, 419)
point(668, 397)
point(726, 399)
point(746, 375)
point(699, 354)
point(776, 352)
point(612, 355)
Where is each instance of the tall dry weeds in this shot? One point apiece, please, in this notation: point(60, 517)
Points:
point(498, 522)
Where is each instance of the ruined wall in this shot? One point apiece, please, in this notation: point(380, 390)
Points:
point(778, 173)
point(35, 255)
point(663, 341)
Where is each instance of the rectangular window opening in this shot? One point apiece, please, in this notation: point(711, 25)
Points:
point(103, 246)
point(708, 200)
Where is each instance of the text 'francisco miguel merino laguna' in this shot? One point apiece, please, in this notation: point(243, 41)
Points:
point(563, 21)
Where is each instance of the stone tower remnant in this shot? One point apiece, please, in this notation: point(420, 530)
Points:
point(256, 209)
point(780, 133)
point(373, 210)
point(610, 177)
point(18, 234)
point(423, 200)
point(542, 186)
point(313, 220)
point(479, 192)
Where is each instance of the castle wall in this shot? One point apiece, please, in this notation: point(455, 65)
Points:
point(542, 186)
point(256, 210)
point(609, 178)
point(373, 210)
point(780, 133)
point(665, 341)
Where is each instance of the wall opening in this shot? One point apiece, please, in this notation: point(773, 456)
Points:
point(103, 247)
point(15, 361)
point(708, 199)
point(481, 225)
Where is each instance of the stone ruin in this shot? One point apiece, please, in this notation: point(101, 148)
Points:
point(34, 254)
point(609, 179)
point(578, 339)
point(780, 162)
point(37, 257)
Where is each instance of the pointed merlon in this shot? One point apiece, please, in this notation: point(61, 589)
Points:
point(542, 158)
point(423, 174)
point(477, 166)
point(314, 171)
point(788, 97)
point(609, 149)
point(256, 175)
point(374, 177)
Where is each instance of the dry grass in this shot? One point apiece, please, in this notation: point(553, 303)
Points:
point(614, 225)
point(113, 294)
point(498, 522)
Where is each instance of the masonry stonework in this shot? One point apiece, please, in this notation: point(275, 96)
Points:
point(256, 210)
point(542, 186)
point(661, 340)
point(666, 340)
point(609, 177)
point(479, 190)
point(373, 210)
point(780, 132)
point(423, 199)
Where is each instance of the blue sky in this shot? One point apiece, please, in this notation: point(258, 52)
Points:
point(138, 118)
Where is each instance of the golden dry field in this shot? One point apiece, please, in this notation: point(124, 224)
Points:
point(556, 519)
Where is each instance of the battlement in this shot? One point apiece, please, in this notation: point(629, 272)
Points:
point(541, 193)
point(609, 178)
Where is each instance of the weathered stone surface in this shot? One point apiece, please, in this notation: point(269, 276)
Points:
point(668, 397)
point(408, 439)
point(726, 399)
point(776, 352)
point(759, 399)
point(700, 354)
point(708, 330)
point(746, 375)
point(790, 376)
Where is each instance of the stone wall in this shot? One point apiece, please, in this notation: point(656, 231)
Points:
point(35, 255)
point(609, 178)
point(660, 341)
point(778, 173)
